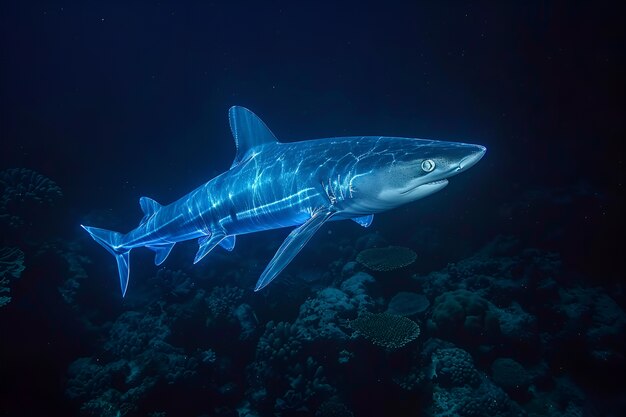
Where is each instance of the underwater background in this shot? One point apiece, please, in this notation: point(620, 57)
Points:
point(502, 295)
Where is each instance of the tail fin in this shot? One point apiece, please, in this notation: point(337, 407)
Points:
point(111, 242)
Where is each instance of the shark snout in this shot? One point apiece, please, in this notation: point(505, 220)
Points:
point(470, 160)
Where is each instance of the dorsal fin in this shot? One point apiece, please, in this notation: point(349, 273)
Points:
point(149, 207)
point(248, 130)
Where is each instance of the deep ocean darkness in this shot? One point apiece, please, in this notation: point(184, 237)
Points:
point(501, 295)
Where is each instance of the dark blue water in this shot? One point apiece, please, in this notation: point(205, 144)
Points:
point(520, 259)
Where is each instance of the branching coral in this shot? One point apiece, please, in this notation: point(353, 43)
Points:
point(485, 401)
point(279, 342)
point(223, 300)
point(386, 330)
point(247, 320)
point(134, 332)
point(175, 284)
point(73, 269)
point(137, 358)
point(307, 385)
point(318, 331)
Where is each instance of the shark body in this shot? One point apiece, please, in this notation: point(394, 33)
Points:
point(305, 184)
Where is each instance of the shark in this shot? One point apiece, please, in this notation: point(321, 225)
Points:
point(273, 184)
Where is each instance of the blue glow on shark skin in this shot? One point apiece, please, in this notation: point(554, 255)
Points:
point(272, 185)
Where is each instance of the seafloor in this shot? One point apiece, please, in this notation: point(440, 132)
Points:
point(358, 326)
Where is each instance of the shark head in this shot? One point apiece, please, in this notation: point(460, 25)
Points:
point(402, 170)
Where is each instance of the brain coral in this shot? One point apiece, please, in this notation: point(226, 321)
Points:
point(509, 374)
point(223, 300)
point(455, 368)
point(386, 330)
point(466, 313)
point(386, 259)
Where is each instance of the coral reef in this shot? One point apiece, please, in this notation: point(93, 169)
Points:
point(222, 300)
point(247, 320)
point(135, 359)
point(11, 267)
point(408, 304)
point(386, 259)
point(464, 312)
point(485, 401)
point(279, 343)
point(25, 193)
point(509, 374)
point(73, 262)
point(386, 330)
point(307, 386)
point(516, 324)
point(174, 284)
point(333, 408)
point(454, 367)
point(485, 352)
point(275, 382)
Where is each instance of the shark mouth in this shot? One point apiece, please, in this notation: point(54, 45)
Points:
point(441, 183)
point(438, 182)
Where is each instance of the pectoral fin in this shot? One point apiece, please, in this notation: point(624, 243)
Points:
point(291, 246)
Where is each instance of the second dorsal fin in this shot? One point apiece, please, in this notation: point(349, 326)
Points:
point(248, 131)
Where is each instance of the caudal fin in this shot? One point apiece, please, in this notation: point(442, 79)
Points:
point(111, 241)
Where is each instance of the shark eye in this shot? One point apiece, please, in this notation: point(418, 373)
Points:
point(428, 165)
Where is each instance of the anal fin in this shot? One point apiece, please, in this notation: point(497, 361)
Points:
point(291, 246)
point(161, 252)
